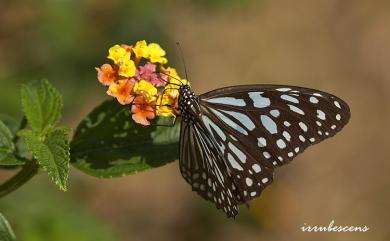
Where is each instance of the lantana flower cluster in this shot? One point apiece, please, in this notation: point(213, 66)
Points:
point(138, 77)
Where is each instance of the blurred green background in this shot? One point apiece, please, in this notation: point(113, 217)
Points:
point(342, 47)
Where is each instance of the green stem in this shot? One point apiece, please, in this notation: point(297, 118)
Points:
point(26, 173)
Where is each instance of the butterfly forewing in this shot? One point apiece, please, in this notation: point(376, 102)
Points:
point(246, 131)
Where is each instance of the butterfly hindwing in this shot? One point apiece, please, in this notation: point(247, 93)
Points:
point(204, 169)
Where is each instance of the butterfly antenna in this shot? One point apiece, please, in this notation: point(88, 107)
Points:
point(182, 59)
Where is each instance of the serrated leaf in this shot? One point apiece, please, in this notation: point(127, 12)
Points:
point(108, 143)
point(6, 232)
point(42, 105)
point(52, 153)
point(6, 144)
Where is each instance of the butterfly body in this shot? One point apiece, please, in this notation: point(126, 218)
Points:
point(188, 104)
point(233, 138)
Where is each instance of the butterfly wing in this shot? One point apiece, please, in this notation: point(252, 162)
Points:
point(255, 128)
point(205, 170)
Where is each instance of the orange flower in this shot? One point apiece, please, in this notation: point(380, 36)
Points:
point(106, 74)
point(142, 111)
point(122, 91)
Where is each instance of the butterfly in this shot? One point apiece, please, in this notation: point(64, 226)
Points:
point(232, 139)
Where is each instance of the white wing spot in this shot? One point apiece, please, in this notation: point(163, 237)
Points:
point(243, 119)
point(312, 139)
point(253, 194)
point(283, 89)
point(280, 158)
point(287, 135)
point(249, 181)
point(256, 167)
point(264, 180)
point(296, 149)
point(302, 138)
point(321, 115)
point(274, 163)
point(290, 154)
point(210, 124)
point(290, 98)
point(337, 104)
point(266, 155)
point(313, 100)
point(319, 133)
point(259, 101)
point(233, 137)
point(269, 124)
point(317, 94)
point(296, 109)
point(281, 144)
point(237, 152)
point(261, 142)
point(227, 101)
point(287, 124)
point(303, 126)
point(318, 123)
point(234, 163)
point(338, 117)
point(333, 127)
point(275, 113)
point(229, 122)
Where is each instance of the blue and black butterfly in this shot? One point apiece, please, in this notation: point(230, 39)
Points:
point(233, 138)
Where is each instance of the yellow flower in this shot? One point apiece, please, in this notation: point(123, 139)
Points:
point(157, 54)
point(127, 68)
point(172, 72)
point(165, 106)
point(145, 89)
point(118, 54)
point(172, 93)
point(174, 79)
point(141, 49)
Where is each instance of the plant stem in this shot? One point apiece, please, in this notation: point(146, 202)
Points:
point(26, 173)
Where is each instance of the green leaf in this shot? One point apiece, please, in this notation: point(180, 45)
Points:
point(6, 233)
point(52, 153)
point(108, 143)
point(11, 160)
point(10, 122)
point(42, 105)
point(6, 144)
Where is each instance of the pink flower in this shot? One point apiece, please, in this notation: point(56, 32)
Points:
point(148, 73)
